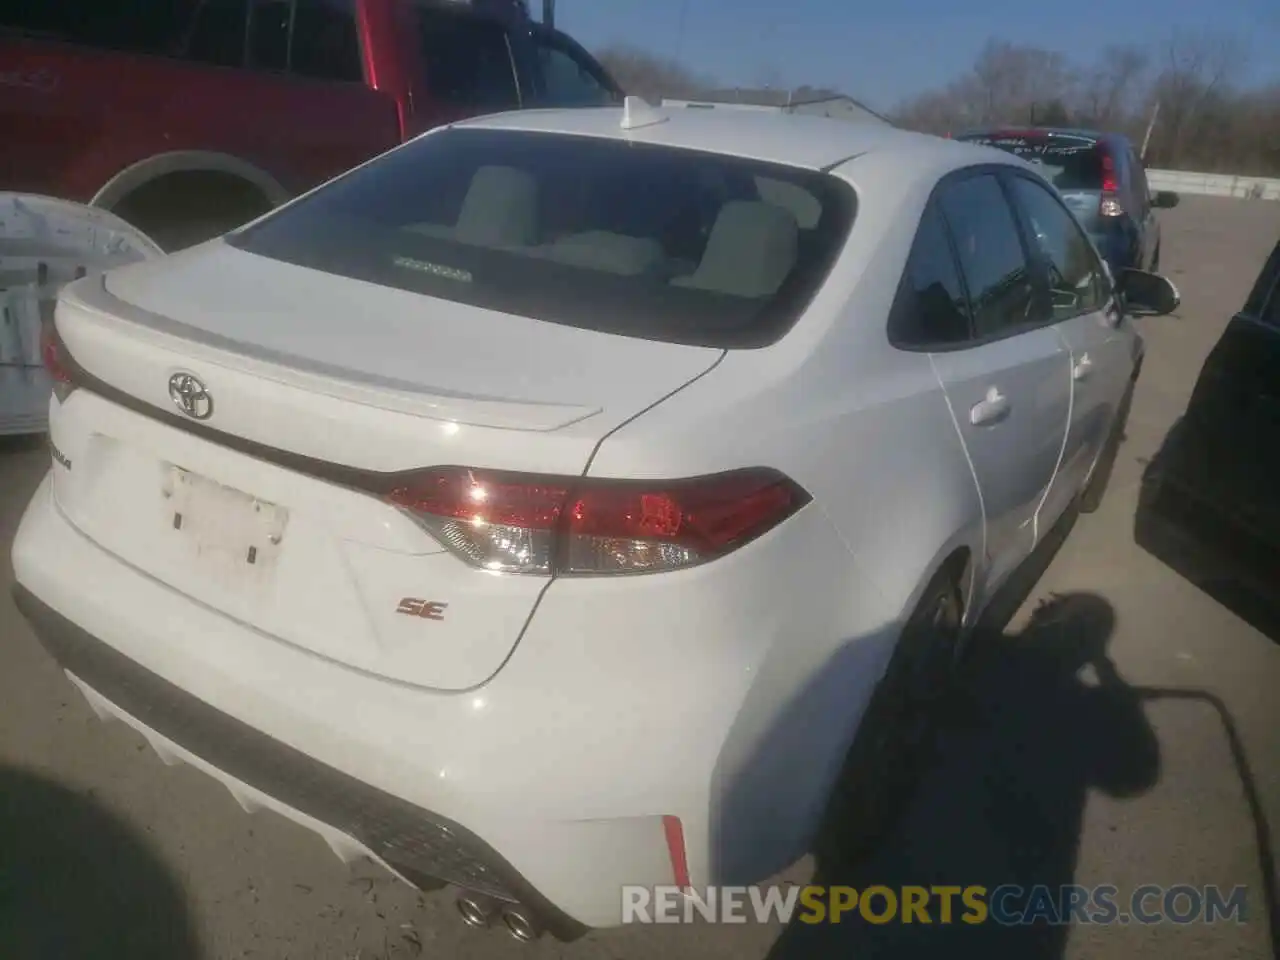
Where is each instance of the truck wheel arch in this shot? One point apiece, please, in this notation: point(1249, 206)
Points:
point(141, 173)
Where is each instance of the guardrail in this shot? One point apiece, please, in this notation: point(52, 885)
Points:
point(1214, 184)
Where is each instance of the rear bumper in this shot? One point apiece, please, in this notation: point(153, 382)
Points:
point(416, 843)
point(623, 704)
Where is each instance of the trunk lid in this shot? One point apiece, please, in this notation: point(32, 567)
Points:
point(323, 390)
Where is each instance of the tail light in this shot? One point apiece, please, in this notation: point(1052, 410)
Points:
point(53, 355)
point(515, 523)
point(1110, 204)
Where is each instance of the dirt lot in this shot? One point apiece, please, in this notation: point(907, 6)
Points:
point(1056, 772)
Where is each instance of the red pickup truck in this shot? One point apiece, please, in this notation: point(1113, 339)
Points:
point(190, 117)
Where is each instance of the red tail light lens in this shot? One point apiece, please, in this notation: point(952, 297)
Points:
point(1110, 204)
point(521, 524)
point(53, 355)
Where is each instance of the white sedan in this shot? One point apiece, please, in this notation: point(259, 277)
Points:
point(575, 499)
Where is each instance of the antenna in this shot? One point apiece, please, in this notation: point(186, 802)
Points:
point(637, 113)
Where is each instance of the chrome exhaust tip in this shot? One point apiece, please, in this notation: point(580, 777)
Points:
point(474, 911)
point(521, 924)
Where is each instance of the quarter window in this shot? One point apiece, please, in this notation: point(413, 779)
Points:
point(1076, 282)
point(930, 308)
point(467, 60)
point(999, 279)
point(566, 81)
point(326, 41)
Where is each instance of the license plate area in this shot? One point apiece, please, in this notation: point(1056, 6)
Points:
point(232, 537)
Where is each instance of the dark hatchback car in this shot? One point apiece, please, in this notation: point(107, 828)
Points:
point(1103, 182)
point(1208, 506)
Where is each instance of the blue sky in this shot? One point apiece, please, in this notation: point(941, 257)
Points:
point(886, 50)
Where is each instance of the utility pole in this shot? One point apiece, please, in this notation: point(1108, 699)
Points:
point(1151, 124)
point(549, 13)
point(684, 17)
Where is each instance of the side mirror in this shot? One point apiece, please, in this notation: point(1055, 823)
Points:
point(1164, 199)
point(1147, 294)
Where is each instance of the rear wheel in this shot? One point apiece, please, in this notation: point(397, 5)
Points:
point(895, 740)
point(179, 210)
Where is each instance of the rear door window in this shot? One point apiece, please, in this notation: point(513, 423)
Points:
point(599, 233)
point(467, 59)
point(1002, 290)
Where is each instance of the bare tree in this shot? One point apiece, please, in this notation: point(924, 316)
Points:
point(1197, 71)
point(937, 112)
point(1205, 121)
point(650, 76)
point(1009, 80)
point(1110, 92)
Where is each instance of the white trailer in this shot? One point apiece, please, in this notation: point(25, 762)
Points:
point(44, 243)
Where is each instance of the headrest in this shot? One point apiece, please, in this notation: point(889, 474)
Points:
point(500, 209)
point(750, 252)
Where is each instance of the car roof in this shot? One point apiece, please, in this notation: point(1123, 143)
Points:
point(798, 140)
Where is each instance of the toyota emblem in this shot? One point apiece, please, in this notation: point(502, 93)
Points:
point(190, 396)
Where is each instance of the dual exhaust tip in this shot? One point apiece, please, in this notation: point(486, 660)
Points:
point(478, 911)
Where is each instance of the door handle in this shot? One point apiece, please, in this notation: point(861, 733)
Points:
point(991, 410)
point(1082, 369)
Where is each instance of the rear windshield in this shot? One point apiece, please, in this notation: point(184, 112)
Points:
point(602, 234)
point(1069, 163)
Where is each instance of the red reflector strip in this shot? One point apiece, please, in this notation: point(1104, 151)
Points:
point(674, 831)
point(1109, 182)
point(51, 354)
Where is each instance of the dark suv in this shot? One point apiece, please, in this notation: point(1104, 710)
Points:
point(1208, 506)
point(1103, 182)
point(189, 117)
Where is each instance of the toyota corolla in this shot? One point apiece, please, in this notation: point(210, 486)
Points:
point(574, 499)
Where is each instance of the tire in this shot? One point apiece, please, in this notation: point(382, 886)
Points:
point(895, 741)
point(1095, 488)
point(1155, 260)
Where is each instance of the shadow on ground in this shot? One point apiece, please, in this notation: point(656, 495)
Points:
point(77, 884)
point(1041, 717)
